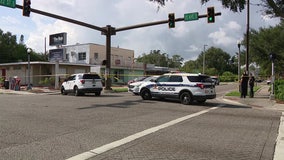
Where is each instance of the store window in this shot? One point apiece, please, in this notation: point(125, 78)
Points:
point(96, 56)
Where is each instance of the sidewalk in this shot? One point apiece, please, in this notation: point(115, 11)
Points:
point(34, 90)
point(261, 99)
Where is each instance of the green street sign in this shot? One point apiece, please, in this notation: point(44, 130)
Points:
point(191, 16)
point(8, 3)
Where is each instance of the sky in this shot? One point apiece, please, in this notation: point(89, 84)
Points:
point(187, 39)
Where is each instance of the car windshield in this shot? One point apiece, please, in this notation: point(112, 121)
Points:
point(91, 76)
point(150, 78)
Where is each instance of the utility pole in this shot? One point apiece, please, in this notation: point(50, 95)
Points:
point(247, 54)
point(204, 58)
point(239, 61)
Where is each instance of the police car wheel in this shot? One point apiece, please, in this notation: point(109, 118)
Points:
point(145, 94)
point(76, 91)
point(186, 98)
point(63, 92)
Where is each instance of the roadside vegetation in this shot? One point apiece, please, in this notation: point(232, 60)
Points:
point(238, 93)
point(279, 90)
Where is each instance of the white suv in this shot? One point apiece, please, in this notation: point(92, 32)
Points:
point(183, 86)
point(82, 83)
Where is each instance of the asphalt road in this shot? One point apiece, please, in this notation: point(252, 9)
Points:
point(50, 127)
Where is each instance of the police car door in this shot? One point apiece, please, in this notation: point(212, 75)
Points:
point(71, 82)
point(158, 87)
point(173, 86)
point(169, 87)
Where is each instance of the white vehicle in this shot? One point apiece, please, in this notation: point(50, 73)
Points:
point(183, 86)
point(134, 87)
point(82, 83)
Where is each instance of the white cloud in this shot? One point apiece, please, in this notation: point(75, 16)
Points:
point(233, 25)
point(9, 20)
point(221, 38)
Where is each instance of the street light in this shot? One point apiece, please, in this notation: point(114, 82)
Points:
point(29, 87)
point(204, 58)
point(239, 60)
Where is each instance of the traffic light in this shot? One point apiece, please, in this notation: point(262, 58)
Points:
point(210, 15)
point(171, 20)
point(272, 56)
point(26, 8)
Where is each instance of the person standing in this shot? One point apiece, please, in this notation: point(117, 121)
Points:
point(251, 85)
point(244, 85)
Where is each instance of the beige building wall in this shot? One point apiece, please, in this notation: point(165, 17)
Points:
point(95, 54)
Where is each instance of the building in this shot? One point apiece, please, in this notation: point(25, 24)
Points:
point(123, 67)
point(82, 58)
point(40, 71)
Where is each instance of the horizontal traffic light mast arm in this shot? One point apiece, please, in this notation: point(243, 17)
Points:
point(158, 23)
point(64, 19)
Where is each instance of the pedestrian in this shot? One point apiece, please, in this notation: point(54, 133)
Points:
point(251, 85)
point(244, 85)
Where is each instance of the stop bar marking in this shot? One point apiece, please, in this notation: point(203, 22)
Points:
point(112, 145)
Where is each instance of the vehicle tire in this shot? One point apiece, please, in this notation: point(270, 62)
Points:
point(76, 91)
point(185, 98)
point(201, 101)
point(63, 92)
point(97, 93)
point(145, 94)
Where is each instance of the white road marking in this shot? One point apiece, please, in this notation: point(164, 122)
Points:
point(107, 147)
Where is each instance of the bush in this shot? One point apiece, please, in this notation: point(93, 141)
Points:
point(279, 89)
point(228, 77)
point(49, 81)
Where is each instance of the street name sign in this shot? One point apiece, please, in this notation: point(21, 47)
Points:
point(8, 3)
point(191, 16)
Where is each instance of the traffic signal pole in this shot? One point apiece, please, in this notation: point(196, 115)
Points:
point(64, 19)
point(108, 31)
point(158, 23)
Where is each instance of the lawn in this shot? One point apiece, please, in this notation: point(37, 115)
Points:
point(238, 94)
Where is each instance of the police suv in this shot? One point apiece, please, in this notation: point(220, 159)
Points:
point(183, 86)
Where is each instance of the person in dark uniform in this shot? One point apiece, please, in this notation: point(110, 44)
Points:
point(244, 85)
point(251, 85)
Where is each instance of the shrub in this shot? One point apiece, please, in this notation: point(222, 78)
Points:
point(47, 81)
point(279, 89)
point(228, 77)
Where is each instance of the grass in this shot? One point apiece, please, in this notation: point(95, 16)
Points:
point(238, 94)
point(120, 89)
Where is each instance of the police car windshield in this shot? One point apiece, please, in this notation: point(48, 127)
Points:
point(199, 78)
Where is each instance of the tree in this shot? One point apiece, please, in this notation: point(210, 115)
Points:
point(265, 41)
point(160, 59)
point(213, 65)
point(10, 51)
point(175, 61)
point(191, 66)
point(274, 8)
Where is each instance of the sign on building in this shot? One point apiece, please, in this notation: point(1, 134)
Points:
point(56, 55)
point(58, 39)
